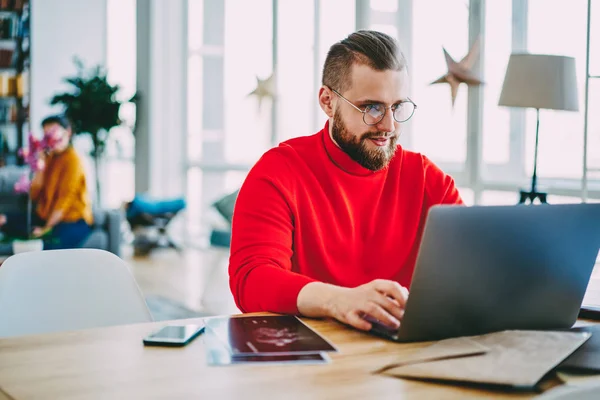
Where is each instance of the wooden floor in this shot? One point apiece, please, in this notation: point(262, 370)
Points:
point(199, 279)
point(196, 278)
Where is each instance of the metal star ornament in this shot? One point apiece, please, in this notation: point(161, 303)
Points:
point(265, 88)
point(460, 72)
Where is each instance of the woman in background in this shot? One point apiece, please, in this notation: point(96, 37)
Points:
point(63, 212)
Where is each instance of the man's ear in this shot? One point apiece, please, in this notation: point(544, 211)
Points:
point(326, 100)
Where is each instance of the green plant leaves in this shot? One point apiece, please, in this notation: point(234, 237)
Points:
point(91, 104)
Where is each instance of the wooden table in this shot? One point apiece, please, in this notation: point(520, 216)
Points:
point(112, 363)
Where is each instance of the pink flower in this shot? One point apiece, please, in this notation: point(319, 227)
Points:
point(35, 145)
point(33, 155)
point(23, 184)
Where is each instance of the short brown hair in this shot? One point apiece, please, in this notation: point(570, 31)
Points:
point(375, 49)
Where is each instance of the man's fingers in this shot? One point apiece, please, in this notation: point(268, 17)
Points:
point(356, 321)
point(379, 313)
point(388, 304)
point(392, 289)
point(405, 292)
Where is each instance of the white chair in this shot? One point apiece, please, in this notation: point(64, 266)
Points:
point(61, 290)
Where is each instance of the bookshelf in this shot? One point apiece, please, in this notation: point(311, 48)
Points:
point(15, 41)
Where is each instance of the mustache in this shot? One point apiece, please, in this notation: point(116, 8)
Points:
point(375, 135)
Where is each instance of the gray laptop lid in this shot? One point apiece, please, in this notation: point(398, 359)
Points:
point(489, 268)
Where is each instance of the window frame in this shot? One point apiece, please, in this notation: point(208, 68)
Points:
point(474, 173)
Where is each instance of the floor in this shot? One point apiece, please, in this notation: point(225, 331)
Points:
point(198, 279)
point(195, 278)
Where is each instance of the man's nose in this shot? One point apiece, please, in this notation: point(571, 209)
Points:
point(387, 124)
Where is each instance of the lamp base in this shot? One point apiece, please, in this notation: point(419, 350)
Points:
point(531, 196)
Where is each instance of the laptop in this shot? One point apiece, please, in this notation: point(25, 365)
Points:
point(483, 269)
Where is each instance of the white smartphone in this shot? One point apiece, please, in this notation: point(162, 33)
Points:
point(174, 335)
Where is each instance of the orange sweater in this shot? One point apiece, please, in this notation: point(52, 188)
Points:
point(308, 212)
point(63, 188)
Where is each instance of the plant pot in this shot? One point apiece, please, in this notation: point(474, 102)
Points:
point(23, 246)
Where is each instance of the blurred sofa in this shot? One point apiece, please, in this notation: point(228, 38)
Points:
point(220, 236)
point(106, 231)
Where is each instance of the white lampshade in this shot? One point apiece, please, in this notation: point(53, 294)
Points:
point(540, 81)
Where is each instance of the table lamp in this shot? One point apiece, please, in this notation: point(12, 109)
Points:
point(542, 82)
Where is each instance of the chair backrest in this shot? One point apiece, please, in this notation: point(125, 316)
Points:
point(61, 290)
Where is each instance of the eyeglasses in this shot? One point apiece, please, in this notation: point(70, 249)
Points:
point(374, 113)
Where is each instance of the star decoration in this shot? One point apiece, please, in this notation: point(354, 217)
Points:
point(460, 72)
point(265, 88)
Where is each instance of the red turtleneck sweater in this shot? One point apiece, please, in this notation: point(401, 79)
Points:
point(308, 212)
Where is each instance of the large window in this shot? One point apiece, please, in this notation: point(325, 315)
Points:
point(498, 47)
point(336, 21)
point(555, 28)
point(490, 162)
point(438, 128)
point(249, 129)
point(295, 72)
point(248, 56)
point(594, 94)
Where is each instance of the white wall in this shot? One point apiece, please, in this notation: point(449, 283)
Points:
point(62, 29)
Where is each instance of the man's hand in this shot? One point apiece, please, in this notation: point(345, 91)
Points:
point(380, 299)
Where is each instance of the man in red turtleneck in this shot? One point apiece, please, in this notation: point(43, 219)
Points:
point(329, 225)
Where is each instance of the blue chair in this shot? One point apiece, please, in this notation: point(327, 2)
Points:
point(144, 213)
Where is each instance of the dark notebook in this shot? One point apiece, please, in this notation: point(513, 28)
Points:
point(267, 335)
point(587, 357)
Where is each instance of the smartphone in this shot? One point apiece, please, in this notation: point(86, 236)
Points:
point(174, 335)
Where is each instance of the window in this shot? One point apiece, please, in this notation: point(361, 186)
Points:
point(194, 200)
point(194, 100)
point(234, 180)
point(496, 120)
point(492, 197)
point(336, 21)
point(248, 56)
point(595, 41)
point(384, 5)
point(554, 28)
point(467, 195)
point(594, 94)
point(594, 126)
point(386, 28)
point(555, 199)
point(439, 130)
point(296, 95)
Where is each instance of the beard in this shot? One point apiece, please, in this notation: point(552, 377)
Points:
point(372, 158)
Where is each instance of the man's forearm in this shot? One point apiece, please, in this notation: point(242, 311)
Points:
point(315, 299)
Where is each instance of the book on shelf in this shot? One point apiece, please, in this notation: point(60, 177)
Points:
point(12, 5)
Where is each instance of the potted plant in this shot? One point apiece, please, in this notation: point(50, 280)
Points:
point(93, 109)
